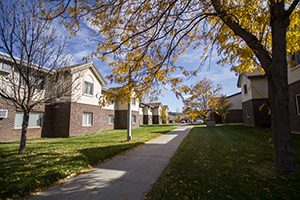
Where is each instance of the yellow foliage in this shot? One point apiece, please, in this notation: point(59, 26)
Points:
point(145, 39)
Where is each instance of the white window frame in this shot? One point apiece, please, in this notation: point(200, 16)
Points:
point(247, 112)
point(85, 88)
point(245, 89)
point(296, 58)
point(87, 119)
point(133, 101)
point(297, 96)
point(134, 119)
point(110, 119)
point(6, 68)
point(35, 120)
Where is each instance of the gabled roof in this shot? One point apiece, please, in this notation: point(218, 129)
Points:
point(255, 74)
point(79, 67)
point(147, 104)
point(234, 94)
point(7, 59)
point(156, 104)
point(165, 106)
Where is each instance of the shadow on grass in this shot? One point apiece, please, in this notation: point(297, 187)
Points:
point(23, 174)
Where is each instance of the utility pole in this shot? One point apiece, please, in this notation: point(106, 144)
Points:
point(129, 121)
point(129, 111)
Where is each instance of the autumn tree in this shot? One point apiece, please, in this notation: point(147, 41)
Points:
point(202, 98)
point(163, 114)
point(31, 51)
point(223, 107)
point(246, 34)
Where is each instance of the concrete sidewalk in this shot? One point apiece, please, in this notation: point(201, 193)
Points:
point(125, 177)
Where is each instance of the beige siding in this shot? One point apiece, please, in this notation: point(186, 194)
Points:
point(248, 96)
point(259, 88)
point(293, 74)
point(88, 76)
point(236, 102)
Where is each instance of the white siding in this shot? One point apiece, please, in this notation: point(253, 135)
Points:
point(248, 96)
point(78, 94)
point(293, 74)
point(257, 88)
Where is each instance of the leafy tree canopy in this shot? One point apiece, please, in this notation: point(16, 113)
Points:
point(145, 38)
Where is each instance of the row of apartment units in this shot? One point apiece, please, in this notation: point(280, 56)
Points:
point(251, 105)
point(80, 115)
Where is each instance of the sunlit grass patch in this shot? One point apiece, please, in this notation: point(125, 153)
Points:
point(227, 162)
point(48, 160)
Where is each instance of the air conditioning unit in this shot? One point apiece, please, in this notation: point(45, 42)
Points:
point(3, 113)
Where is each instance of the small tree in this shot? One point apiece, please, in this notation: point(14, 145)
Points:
point(163, 114)
point(223, 107)
point(33, 51)
point(202, 98)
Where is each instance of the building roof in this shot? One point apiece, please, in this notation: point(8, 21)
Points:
point(255, 74)
point(82, 66)
point(7, 59)
point(156, 104)
point(147, 104)
point(234, 94)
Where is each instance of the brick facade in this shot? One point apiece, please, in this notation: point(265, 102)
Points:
point(141, 119)
point(147, 120)
point(294, 89)
point(121, 119)
point(156, 119)
point(76, 113)
point(57, 120)
point(104, 119)
point(65, 120)
point(7, 125)
point(257, 117)
point(235, 116)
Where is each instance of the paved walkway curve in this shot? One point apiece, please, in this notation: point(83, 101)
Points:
point(128, 176)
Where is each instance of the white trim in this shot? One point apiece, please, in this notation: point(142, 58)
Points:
point(134, 117)
point(112, 119)
point(297, 103)
point(5, 113)
point(247, 112)
point(86, 123)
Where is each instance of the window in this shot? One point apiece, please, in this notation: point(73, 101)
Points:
point(133, 102)
point(133, 119)
point(245, 89)
point(247, 113)
point(298, 103)
point(6, 68)
point(39, 85)
point(87, 119)
point(296, 58)
point(88, 88)
point(111, 119)
point(35, 119)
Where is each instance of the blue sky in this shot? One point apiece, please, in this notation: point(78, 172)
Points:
point(81, 46)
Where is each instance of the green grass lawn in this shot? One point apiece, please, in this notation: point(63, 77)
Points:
point(227, 162)
point(48, 160)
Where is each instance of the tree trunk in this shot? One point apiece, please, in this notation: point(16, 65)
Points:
point(24, 132)
point(279, 94)
point(276, 72)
